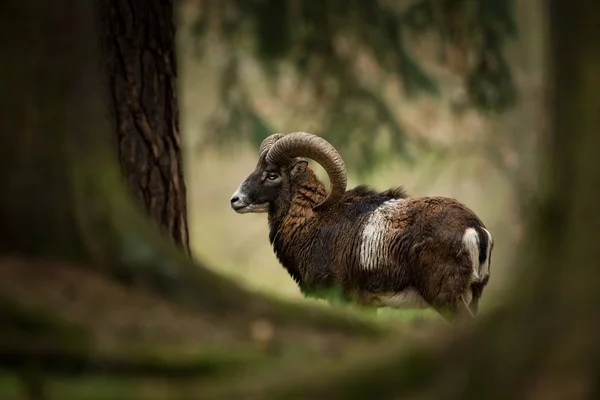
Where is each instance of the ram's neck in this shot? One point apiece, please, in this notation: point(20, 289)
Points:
point(306, 196)
point(288, 215)
point(290, 223)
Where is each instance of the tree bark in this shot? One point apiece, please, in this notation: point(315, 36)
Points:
point(139, 51)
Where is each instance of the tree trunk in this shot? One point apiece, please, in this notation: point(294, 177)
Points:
point(139, 51)
point(62, 193)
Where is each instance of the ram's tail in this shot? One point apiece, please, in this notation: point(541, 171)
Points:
point(478, 242)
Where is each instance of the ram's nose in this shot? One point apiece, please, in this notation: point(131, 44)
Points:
point(237, 201)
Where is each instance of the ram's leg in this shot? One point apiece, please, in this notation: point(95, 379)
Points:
point(449, 293)
point(477, 290)
point(474, 305)
point(463, 307)
point(334, 296)
point(448, 311)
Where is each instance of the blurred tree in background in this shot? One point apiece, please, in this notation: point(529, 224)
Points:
point(341, 61)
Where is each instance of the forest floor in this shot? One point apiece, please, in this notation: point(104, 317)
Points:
point(52, 309)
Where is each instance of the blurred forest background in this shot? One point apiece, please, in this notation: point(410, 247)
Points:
point(443, 97)
point(489, 101)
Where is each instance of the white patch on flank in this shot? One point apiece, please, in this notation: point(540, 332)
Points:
point(374, 251)
point(406, 299)
point(484, 269)
point(471, 242)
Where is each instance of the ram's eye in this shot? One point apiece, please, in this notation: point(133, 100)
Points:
point(272, 177)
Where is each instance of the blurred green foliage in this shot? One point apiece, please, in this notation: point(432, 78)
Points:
point(322, 42)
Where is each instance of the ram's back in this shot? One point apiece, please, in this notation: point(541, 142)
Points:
point(376, 242)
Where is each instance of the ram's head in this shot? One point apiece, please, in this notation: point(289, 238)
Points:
point(279, 166)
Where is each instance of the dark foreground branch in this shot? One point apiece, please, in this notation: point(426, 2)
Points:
point(58, 359)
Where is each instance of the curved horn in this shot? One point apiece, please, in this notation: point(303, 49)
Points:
point(268, 142)
point(304, 144)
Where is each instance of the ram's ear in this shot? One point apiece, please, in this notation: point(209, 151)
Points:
point(298, 168)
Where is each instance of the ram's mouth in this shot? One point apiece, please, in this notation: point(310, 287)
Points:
point(252, 208)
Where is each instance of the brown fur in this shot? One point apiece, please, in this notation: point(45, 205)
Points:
point(421, 247)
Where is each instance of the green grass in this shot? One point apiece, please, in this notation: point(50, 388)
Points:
point(11, 386)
